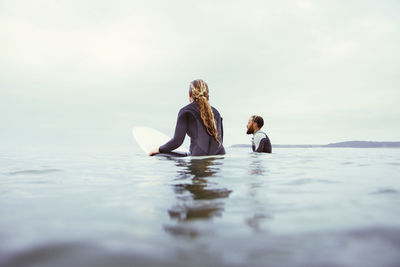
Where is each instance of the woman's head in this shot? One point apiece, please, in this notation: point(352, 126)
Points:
point(198, 89)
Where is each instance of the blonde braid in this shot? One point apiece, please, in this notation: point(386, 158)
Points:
point(199, 92)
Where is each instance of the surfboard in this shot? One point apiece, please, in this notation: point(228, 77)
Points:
point(148, 139)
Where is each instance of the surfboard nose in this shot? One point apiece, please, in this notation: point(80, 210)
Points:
point(148, 139)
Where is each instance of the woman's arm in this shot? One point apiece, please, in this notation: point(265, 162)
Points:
point(179, 135)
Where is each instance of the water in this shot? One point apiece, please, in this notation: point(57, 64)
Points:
point(295, 207)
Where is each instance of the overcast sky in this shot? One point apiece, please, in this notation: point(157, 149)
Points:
point(85, 72)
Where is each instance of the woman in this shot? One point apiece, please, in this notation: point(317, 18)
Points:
point(200, 121)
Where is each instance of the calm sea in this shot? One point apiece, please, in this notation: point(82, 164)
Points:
point(295, 207)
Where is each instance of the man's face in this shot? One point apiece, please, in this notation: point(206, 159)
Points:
point(250, 128)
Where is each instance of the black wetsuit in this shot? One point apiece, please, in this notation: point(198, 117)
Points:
point(261, 140)
point(201, 143)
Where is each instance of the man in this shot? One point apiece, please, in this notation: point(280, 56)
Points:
point(260, 141)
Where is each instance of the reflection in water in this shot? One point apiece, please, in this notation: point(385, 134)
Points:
point(197, 196)
point(256, 165)
point(255, 221)
point(256, 187)
point(257, 170)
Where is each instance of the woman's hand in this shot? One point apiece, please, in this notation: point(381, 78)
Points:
point(154, 152)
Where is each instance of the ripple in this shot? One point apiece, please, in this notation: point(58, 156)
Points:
point(347, 163)
point(385, 191)
point(364, 165)
point(35, 172)
point(182, 231)
point(309, 181)
point(80, 254)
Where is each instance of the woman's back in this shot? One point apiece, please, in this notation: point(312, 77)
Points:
point(200, 121)
point(201, 143)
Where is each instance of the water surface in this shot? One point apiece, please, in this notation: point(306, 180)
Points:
point(295, 207)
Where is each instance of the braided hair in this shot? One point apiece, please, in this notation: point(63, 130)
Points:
point(198, 90)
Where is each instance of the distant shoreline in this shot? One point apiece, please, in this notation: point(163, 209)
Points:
point(349, 144)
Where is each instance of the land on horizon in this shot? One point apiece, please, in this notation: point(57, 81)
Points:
point(350, 144)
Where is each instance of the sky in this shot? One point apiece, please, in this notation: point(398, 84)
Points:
point(83, 73)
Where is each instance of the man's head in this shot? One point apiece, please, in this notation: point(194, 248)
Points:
point(254, 124)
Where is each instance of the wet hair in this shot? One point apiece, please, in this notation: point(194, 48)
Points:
point(198, 90)
point(259, 120)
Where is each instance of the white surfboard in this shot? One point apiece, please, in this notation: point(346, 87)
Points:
point(149, 139)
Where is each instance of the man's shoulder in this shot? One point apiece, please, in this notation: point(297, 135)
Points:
point(260, 134)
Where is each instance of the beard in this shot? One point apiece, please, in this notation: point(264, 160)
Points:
point(250, 130)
